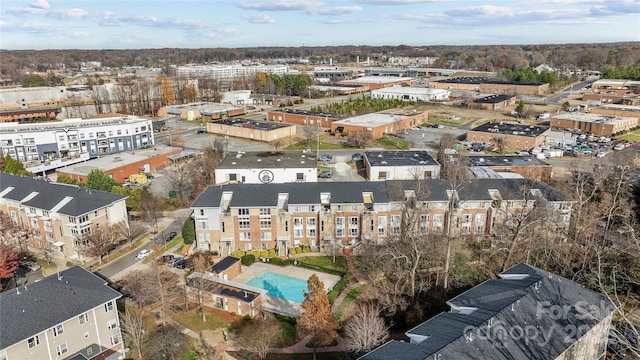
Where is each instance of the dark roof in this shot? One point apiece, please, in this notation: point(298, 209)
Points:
point(524, 298)
point(50, 194)
point(511, 129)
point(224, 264)
point(29, 310)
point(399, 158)
point(304, 112)
point(256, 195)
point(268, 159)
point(504, 160)
point(484, 80)
point(251, 124)
point(219, 288)
point(493, 99)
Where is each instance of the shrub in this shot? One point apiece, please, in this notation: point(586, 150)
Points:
point(248, 259)
point(276, 261)
point(238, 253)
point(306, 249)
point(299, 250)
point(189, 231)
point(271, 253)
point(264, 253)
point(292, 251)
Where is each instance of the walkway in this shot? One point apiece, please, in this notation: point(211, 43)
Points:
point(301, 347)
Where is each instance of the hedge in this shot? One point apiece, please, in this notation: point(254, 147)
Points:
point(248, 259)
point(238, 253)
point(189, 231)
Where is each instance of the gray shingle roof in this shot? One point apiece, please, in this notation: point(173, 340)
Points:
point(514, 317)
point(27, 311)
point(50, 194)
point(254, 195)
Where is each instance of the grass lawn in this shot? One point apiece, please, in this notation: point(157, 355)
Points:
point(323, 146)
point(325, 262)
point(393, 143)
point(349, 303)
point(632, 136)
point(192, 319)
point(436, 120)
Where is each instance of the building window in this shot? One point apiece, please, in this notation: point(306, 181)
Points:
point(111, 324)
point(466, 218)
point(424, 224)
point(311, 222)
point(58, 330)
point(222, 225)
point(395, 224)
point(108, 306)
point(34, 341)
point(245, 236)
point(339, 227)
point(201, 212)
point(244, 223)
point(115, 340)
point(89, 350)
point(83, 318)
point(265, 223)
point(243, 211)
point(437, 223)
point(265, 236)
point(61, 349)
point(265, 211)
point(382, 225)
point(353, 226)
point(299, 176)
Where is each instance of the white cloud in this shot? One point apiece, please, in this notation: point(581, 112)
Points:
point(280, 5)
point(40, 4)
point(395, 2)
point(260, 19)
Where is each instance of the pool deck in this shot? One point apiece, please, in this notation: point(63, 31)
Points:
point(282, 306)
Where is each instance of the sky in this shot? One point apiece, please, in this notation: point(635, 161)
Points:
point(132, 24)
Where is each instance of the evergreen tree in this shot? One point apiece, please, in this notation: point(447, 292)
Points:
point(98, 180)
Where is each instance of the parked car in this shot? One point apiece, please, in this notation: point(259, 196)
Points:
point(326, 174)
point(416, 128)
point(166, 259)
point(176, 260)
point(326, 157)
point(601, 154)
point(357, 157)
point(180, 263)
point(171, 235)
point(619, 147)
point(143, 254)
point(201, 131)
point(30, 265)
point(134, 217)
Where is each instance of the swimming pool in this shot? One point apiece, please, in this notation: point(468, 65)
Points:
point(280, 286)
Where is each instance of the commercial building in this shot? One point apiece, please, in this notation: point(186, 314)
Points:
point(408, 93)
point(526, 313)
point(331, 75)
point(624, 92)
point(528, 167)
point(265, 167)
point(49, 145)
point(378, 82)
point(251, 129)
point(326, 214)
point(202, 110)
point(400, 165)
point(596, 124)
point(491, 86)
point(513, 136)
point(495, 102)
point(376, 125)
point(617, 110)
point(55, 216)
point(303, 117)
point(229, 71)
point(121, 167)
point(71, 314)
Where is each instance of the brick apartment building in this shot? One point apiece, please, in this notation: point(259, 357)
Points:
point(55, 216)
point(267, 216)
point(514, 136)
point(601, 125)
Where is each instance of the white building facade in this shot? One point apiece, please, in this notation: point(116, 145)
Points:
point(277, 167)
point(411, 93)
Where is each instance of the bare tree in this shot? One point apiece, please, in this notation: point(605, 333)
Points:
point(133, 328)
point(277, 144)
point(366, 329)
point(360, 138)
point(130, 230)
point(202, 263)
point(98, 243)
point(138, 284)
point(258, 336)
point(151, 208)
point(166, 342)
point(310, 134)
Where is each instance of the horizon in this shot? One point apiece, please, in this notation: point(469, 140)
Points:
point(107, 25)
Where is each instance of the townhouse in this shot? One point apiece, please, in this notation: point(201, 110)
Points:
point(64, 315)
point(268, 216)
point(55, 216)
point(526, 313)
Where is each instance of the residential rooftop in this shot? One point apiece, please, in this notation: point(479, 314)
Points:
point(10, 127)
point(251, 124)
point(399, 158)
point(29, 310)
point(226, 288)
point(268, 159)
point(224, 264)
point(523, 298)
point(511, 129)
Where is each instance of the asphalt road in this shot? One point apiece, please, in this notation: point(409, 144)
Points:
point(554, 99)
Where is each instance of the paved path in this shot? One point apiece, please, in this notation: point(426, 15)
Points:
point(301, 347)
